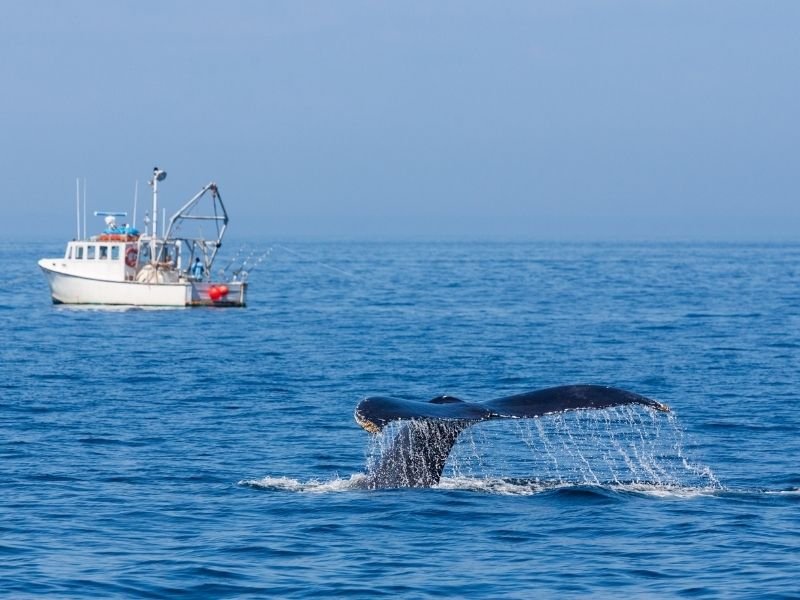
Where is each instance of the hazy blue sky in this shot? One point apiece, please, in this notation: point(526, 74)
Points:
point(546, 120)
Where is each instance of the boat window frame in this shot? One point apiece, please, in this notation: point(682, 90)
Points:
point(143, 256)
point(79, 252)
point(91, 251)
point(115, 253)
point(102, 252)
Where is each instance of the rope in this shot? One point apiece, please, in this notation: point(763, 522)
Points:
point(322, 264)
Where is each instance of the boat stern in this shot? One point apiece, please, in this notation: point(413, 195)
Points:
point(209, 293)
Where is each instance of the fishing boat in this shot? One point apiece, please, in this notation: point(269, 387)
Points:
point(121, 266)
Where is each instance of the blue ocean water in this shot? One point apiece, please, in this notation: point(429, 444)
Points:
point(213, 452)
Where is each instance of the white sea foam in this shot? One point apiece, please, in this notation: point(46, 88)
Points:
point(521, 487)
point(792, 492)
point(288, 484)
point(498, 486)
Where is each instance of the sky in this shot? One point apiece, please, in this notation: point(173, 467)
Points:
point(552, 120)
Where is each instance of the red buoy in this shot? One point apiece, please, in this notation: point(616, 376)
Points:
point(223, 290)
point(214, 293)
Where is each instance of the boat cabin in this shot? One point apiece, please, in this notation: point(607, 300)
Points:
point(117, 260)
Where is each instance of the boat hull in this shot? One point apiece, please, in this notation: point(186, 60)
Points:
point(66, 288)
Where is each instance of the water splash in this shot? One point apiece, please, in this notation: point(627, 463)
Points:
point(624, 449)
point(624, 445)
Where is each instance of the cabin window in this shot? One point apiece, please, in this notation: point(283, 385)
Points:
point(79, 252)
point(103, 252)
point(144, 254)
point(69, 252)
point(89, 252)
point(166, 254)
point(114, 252)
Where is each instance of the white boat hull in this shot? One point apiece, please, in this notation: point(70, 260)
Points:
point(67, 288)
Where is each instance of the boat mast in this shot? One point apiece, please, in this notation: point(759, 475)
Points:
point(158, 175)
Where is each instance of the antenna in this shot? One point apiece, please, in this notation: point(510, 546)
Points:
point(84, 207)
point(78, 204)
point(135, 200)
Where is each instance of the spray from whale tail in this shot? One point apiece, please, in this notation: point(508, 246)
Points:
point(417, 455)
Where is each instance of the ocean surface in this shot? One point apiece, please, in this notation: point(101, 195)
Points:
point(212, 453)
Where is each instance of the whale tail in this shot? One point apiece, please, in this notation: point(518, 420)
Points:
point(418, 452)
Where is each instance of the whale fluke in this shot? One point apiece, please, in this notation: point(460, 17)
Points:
point(417, 454)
